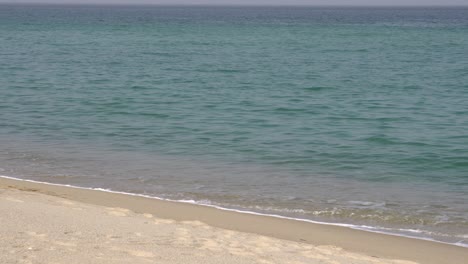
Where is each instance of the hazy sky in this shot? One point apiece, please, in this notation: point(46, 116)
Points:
point(257, 2)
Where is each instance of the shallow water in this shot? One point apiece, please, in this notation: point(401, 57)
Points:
point(348, 115)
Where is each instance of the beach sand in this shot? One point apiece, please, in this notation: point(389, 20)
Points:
point(42, 223)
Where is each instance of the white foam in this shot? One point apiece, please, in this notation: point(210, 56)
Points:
point(372, 229)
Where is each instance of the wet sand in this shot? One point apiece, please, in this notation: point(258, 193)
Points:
point(43, 223)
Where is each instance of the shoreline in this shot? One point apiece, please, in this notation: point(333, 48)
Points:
point(352, 240)
point(363, 228)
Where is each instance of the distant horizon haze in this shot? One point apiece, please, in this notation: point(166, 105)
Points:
point(253, 3)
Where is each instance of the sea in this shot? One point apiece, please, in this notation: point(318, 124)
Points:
point(354, 116)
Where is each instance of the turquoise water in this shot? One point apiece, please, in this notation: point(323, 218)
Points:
point(343, 115)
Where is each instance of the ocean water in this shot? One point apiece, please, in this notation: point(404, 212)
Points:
point(356, 116)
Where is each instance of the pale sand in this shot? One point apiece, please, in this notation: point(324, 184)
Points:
point(54, 224)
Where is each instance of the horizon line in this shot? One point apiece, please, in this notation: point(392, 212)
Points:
point(229, 5)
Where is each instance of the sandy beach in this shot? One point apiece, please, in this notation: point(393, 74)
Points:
point(43, 223)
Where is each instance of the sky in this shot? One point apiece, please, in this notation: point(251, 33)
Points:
point(256, 2)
